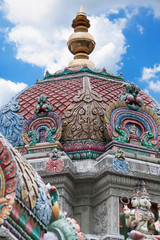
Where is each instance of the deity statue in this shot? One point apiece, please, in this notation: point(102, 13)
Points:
point(133, 132)
point(140, 218)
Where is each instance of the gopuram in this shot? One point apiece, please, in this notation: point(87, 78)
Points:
point(80, 155)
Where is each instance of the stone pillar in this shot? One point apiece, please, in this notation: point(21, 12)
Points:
point(113, 215)
point(112, 219)
point(84, 216)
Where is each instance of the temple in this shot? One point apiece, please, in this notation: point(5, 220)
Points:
point(80, 154)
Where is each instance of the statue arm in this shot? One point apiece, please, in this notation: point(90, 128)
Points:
point(151, 223)
point(157, 225)
point(127, 216)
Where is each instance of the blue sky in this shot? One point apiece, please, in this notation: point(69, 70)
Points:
point(34, 33)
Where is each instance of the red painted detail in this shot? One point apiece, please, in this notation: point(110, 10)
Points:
point(54, 165)
point(15, 214)
point(84, 145)
point(10, 170)
point(109, 131)
point(5, 158)
point(11, 185)
point(60, 94)
point(29, 226)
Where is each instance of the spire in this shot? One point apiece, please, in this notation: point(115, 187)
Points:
point(81, 43)
point(81, 12)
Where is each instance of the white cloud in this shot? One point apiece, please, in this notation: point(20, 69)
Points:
point(140, 29)
point(150, 73)
point(8, 89)
point(154, 86)
point(42, 28)
point(152, 76)
point(110, 42)
point(44, 44)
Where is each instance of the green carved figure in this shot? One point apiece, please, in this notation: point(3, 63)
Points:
point(34, 138)
point(42, 107)
point(123, 137)
point(120, 155)
point(50, 134)
point(131, 97)
point(146, 142)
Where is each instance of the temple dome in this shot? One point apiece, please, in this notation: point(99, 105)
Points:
point(79, 95)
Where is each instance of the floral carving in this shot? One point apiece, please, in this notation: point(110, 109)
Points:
point(100, 219)
point(55, 163)
point(6, 206)
point(12, 123)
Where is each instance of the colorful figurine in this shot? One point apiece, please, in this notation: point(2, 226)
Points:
point(140, 218)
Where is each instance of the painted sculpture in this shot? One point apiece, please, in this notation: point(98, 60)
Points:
point(42, 129)
point(140, 218)
point(131, 97)
point(27, 208)
point(55, 163)
point(12, 123)
point(119, 163)
point(83, 134)
point(124, 125)
point(42, 107)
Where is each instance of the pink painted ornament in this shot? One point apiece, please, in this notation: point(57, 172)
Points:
point(54, 165)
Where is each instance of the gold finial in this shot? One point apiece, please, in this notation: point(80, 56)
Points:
point(81, 43)
point(81, 11)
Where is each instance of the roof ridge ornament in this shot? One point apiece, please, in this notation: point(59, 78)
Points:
point(81, 43)
point(83, 118)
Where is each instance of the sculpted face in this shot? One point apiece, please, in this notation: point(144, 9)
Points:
point(135, 201)
point(145, 202)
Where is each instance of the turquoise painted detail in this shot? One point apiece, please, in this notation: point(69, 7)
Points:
point(145, 141)
point(2, 205)
point(10, 185)
point(122, 135)
point(66, 71)
point(3, 160)
point(136, 151)
point(34, 138)
point(80, 155)
point(65, 228)
point(50, 133)
point(11, 168)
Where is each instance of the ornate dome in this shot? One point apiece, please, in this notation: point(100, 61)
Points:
point(78, 94)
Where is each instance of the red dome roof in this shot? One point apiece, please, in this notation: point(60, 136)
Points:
point(61, 87)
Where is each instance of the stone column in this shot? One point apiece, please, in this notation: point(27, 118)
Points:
point(84, 217)
point(113, 218)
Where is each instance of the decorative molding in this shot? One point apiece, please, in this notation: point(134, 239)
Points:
point(119, 163)
point(44, 129)
point(132, 126)
point(12, 123)
point(55, 163)
point(81, 69)
point(83, 119)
